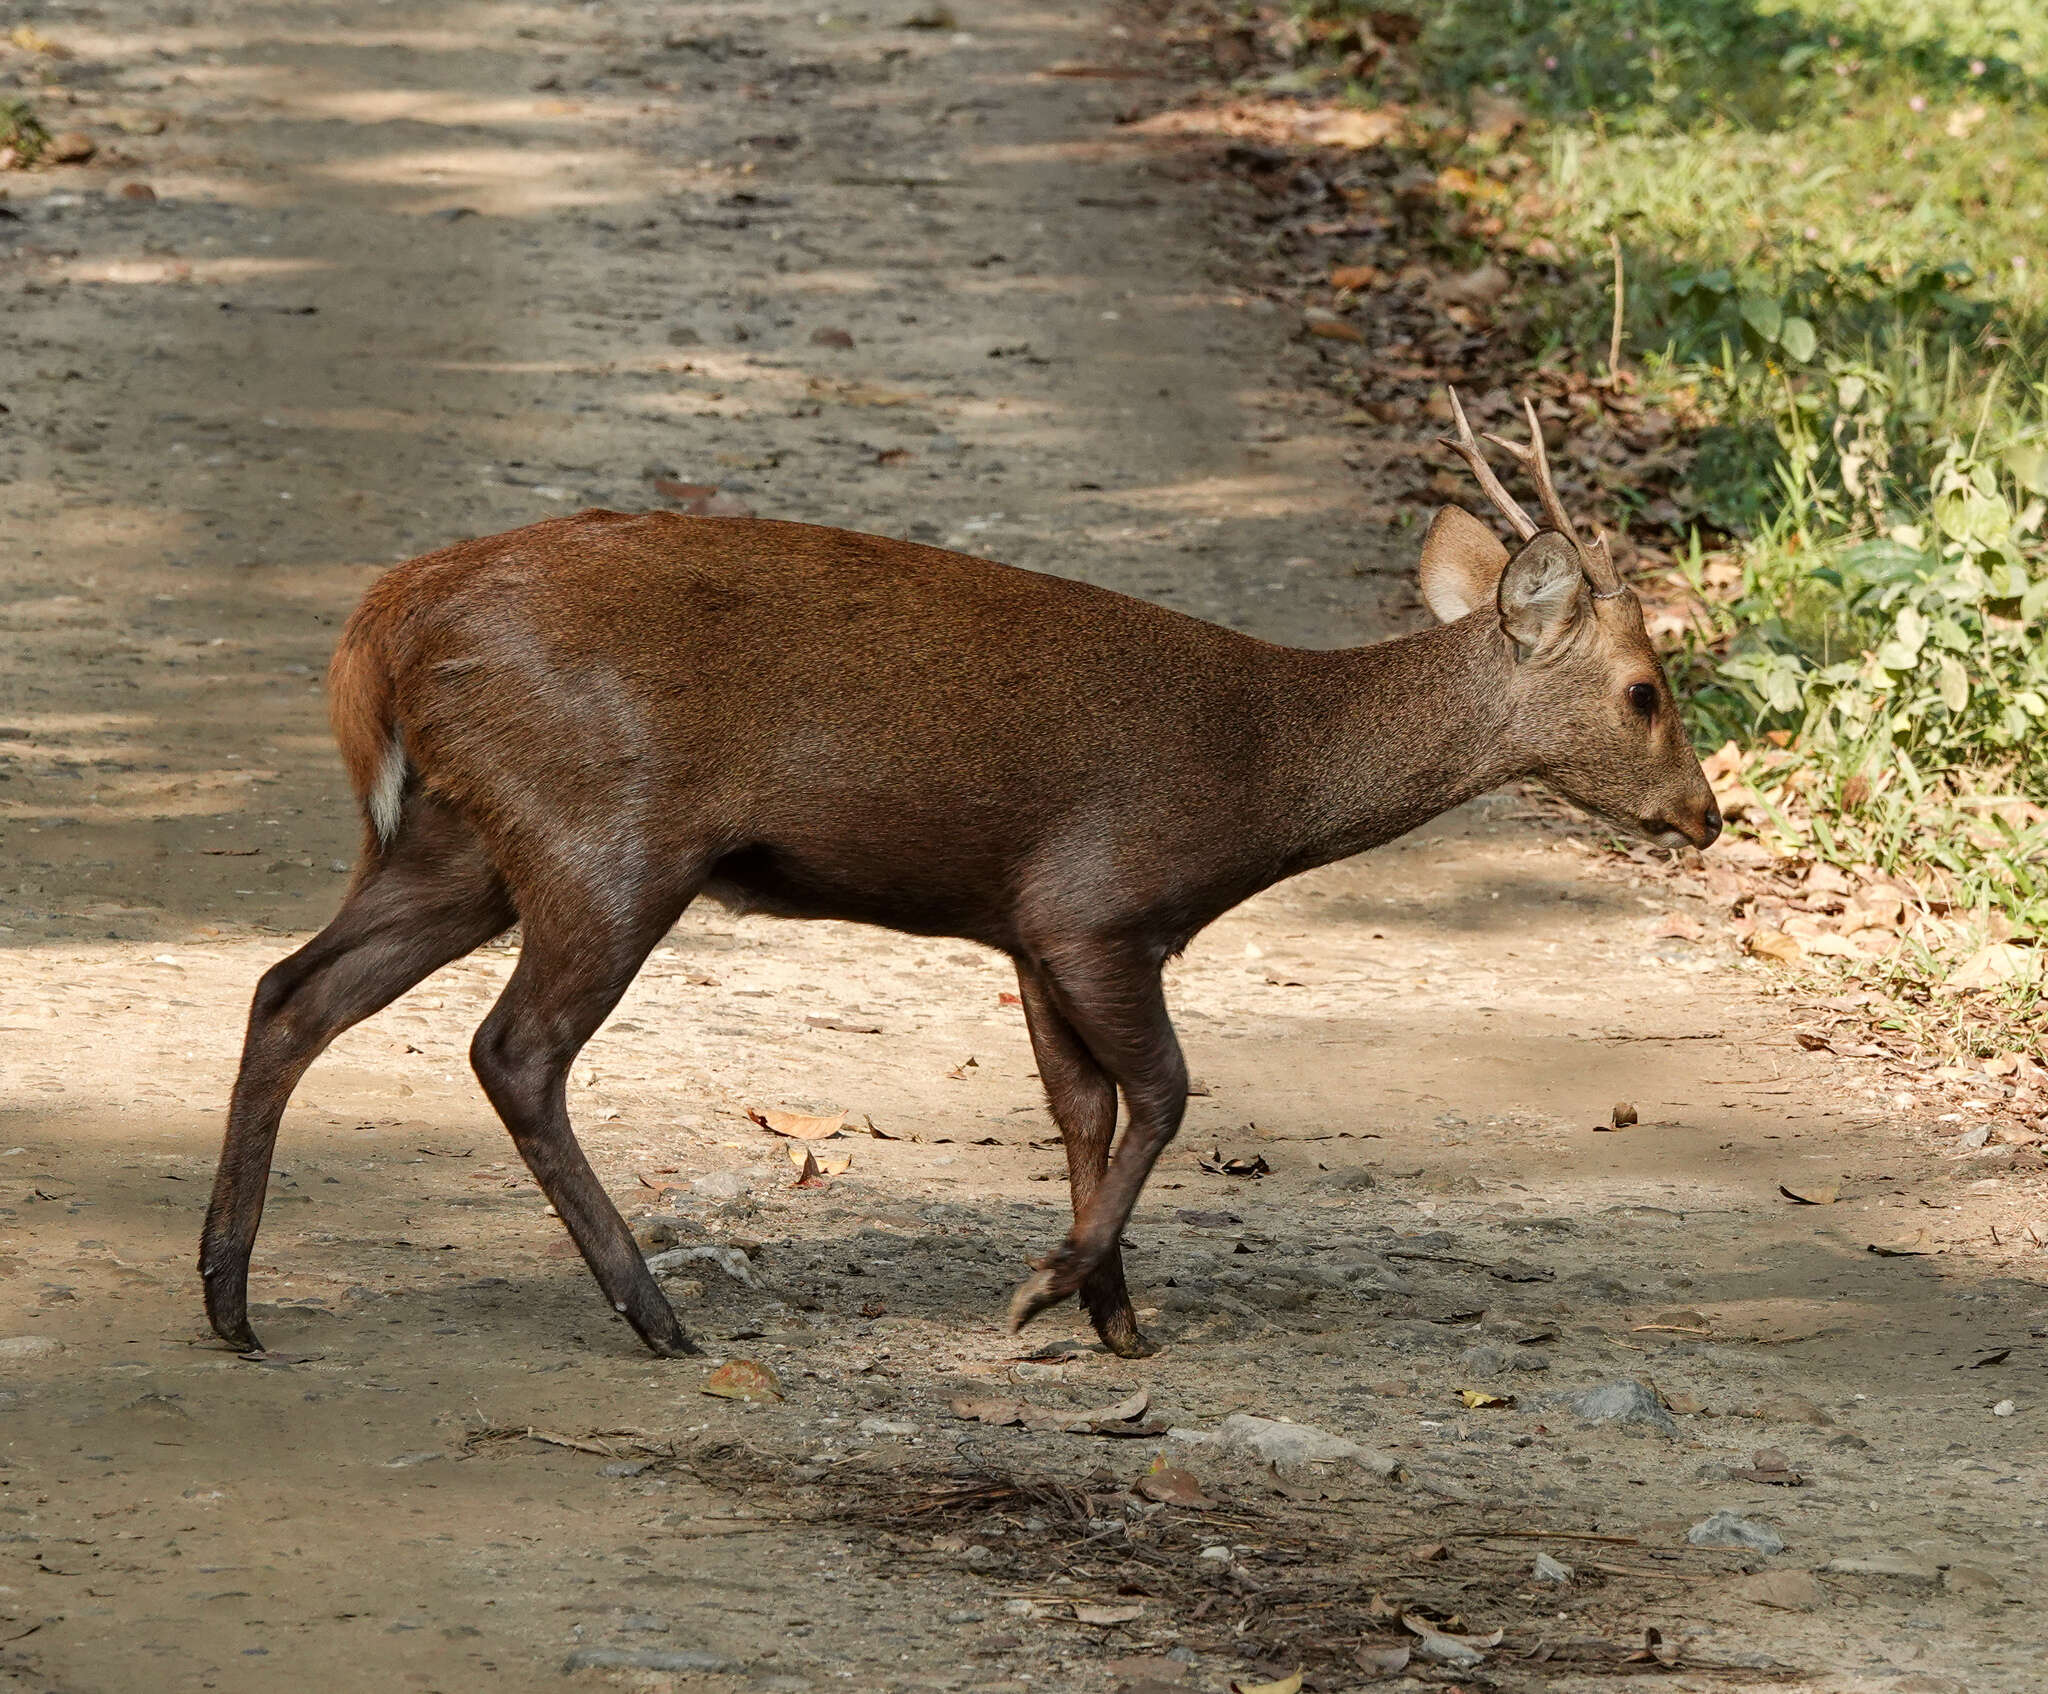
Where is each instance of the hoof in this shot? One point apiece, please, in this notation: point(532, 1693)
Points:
point(1033, 1295)
point(239, 1336)
point(677, 1346)
point(1126, 1341)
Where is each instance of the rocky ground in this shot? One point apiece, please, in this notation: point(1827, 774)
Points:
point(401, 275)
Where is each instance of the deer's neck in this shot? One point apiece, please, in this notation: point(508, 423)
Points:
point(1391, 735)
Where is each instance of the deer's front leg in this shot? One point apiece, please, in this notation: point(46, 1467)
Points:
point(1110, 1002)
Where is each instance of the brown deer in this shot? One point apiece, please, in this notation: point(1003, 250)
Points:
point(581, 726)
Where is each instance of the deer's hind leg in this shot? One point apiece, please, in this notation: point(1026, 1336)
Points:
point(584, 936)
point(430, 896)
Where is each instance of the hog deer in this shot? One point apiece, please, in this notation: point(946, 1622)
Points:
point(582, 725)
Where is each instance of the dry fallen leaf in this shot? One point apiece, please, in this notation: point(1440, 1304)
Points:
point(830, 1164)
point(1218, 1165)
point(1119, 1419)
point(1126, 1613)
point(1773, 944)
point(800, 1126)
point(810, 1174)
point(1356, 276)
point(1812, 1194)
point(1169, 1485)
point(1382, 1661)
point(1989, 966)
point(1327, 324)
point(1919, 1245)
point(1478, 1400)
point(1286, 1685)
point(743, 1379)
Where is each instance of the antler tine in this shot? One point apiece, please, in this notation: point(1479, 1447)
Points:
point(1599, 563)
point(1467, 448)
point(1536, 462)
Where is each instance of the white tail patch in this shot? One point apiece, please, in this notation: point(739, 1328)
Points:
point(386, 792)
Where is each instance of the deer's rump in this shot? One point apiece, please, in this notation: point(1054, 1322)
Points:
point(824, 724)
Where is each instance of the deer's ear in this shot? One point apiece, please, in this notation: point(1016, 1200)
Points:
point(1461, 564)
point(1542, 593)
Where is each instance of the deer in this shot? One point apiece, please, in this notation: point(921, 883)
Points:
point(581, 726)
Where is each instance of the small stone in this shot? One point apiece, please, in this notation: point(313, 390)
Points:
point(1623, 1115)
point(73, 147)
point(2004, 1409)
point(1277, 1443)
point(29, 1347)
point(721, 1185)
point(1894, 1567)
point(898, 1427)
point(831, 338)
point(1971, 1139)
point(140, 192)
point(682, 335)
point(1970, 1579)
point(1783, 1590)
point(1625, 1402)
point(1725, 1529)
point(1548, 1569)
point(625, 1467)
point(1351, 1179)
point(978, 1557)
point(645, 1658)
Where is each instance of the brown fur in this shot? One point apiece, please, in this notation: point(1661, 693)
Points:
point(604, 716)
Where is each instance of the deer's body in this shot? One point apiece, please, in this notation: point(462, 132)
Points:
point(583, 725)
point(841, 726)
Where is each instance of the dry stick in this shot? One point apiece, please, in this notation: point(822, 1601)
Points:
point(1614, 339)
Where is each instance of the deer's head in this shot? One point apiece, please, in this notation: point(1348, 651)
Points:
point(1592, 713)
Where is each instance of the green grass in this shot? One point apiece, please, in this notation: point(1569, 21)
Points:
point(1834, 220)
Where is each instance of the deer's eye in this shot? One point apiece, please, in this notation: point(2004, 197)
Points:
point(1643, 697)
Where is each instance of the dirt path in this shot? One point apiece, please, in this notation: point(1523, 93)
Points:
point(414, 274)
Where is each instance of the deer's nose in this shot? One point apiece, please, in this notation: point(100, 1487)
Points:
point(1710, 826)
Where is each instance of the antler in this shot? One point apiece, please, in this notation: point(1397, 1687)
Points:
point(1599, 564)
point(1467, 449)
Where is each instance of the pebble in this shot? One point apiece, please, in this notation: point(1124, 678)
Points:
point(29, 1346)
point(1548, 1569)
point(1725, 1529)
point(1277, 1443)
point(721, 1185)
point(1625, 1402)
point(2004, 1409)
point(645, 1658)
point(886, 1426)
point(731, 1260)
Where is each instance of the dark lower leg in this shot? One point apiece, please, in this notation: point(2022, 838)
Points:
point(570, 975)
point(433, 899)
point(1116, 1008)
point(1083, 1101)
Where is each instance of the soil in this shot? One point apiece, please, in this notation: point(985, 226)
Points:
point(412, 274)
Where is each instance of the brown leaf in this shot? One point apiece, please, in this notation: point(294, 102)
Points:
point(743, 1379)
point(798, 1125)
point(670, 488)
point(1382, 1661)
point(1318, 321)
point(1119, 1419)
point(802, 1154)
point(810, 1174)
point(1216, 1164)
point(1356, 276)
point(1169, 1485)
point(1681, 926)
point(1623, 1115)
point(1478, 1400)
point(1773, 944)
point(1812, 1194)
point(1919, 1245)
point(831, 338)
